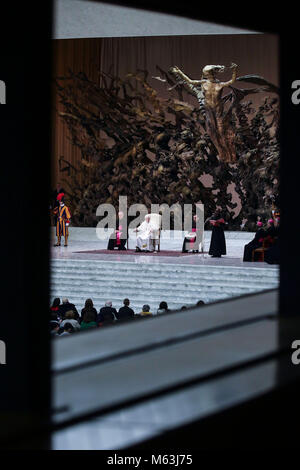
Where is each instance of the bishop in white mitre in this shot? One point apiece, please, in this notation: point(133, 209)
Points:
point(144, 231)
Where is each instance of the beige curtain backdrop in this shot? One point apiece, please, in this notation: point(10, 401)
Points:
point(254, 54)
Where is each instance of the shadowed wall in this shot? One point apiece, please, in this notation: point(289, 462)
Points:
point(254, 54)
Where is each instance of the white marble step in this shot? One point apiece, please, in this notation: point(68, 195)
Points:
point(151, 283)
point(163, 276)
point(157, 295)
point(136, 286)
point(96, 267)
point(178, 283)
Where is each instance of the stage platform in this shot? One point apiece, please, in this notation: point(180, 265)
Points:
point(85, 270)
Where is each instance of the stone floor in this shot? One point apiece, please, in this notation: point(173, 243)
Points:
point(151, 376)
point(150, 279)
point(85, 239)
point(112, 276)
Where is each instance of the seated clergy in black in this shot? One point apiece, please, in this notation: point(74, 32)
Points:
point(118, 238)
point(125, 312)
point(217, 244)
point(255, 243)
point(271, 234)
point(268, 238)
point(272, 254)
point(271, 230)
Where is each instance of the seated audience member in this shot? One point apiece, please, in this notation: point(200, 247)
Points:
point(65, 307)
point(255, 243)
point(107, 314)
point(67, 329)
point(70, 317)
point(54, 327)
point(163, 308)
point(89, 307)
point(54, 309)
point(125, 312)
point(146, 311)
point(88, 320)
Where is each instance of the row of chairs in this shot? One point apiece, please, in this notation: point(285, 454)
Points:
point(155, 220)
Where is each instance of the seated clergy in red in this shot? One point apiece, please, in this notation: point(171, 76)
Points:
point(118, 238)
point(63, 220)
point(192, 239)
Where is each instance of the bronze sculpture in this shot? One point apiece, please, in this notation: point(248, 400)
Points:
point(209, 91)
point(153, 158)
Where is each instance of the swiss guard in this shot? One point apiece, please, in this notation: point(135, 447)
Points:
point(63, 220)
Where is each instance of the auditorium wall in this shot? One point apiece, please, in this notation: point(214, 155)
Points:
point(253, 53)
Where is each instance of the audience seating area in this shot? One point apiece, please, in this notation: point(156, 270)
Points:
point(65, 318)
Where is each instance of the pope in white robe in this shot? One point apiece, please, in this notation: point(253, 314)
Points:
point(144, 231)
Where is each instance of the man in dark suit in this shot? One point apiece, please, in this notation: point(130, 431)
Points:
point(65, 307)
point(107, 314)
point(125, 312)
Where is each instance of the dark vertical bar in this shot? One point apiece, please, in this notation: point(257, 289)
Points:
point(289, 321)
point(25, 67)
point(290, 183)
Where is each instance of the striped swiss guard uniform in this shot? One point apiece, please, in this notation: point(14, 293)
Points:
point(63, 219)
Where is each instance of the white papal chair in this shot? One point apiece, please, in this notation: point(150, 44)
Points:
point(155, 220)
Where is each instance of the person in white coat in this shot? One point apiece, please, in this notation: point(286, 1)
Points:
point(144, 231)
